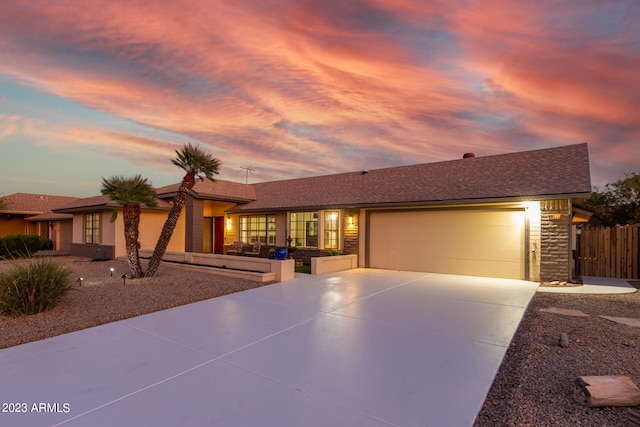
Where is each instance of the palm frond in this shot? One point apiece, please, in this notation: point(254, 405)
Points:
point(195, 160)
point(135, 190)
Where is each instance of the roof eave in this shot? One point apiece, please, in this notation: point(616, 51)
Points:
point(214, 197)
point(104, 208)
point(8, 212)
point(510, 199)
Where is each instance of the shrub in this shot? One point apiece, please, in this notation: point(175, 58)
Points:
point(21, 245)
point(34, 286)
point(334, 252)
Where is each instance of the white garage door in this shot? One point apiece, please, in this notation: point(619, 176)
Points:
point(471, 242)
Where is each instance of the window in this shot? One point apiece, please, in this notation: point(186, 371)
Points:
point(92, 228)
point(331, 229)
point(258, 228)
point(304, 229)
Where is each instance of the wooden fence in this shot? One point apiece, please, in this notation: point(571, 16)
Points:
point(609, 252)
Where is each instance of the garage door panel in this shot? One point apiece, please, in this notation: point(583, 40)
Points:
point(470, 242)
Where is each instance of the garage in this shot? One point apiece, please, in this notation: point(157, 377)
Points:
point(474, 242)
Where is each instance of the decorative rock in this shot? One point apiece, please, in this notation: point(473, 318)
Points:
point(629, 321)
point(564, 340)
point(610, 390)
point(564, 311)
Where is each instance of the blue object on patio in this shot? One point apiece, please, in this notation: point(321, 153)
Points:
point(281, 253)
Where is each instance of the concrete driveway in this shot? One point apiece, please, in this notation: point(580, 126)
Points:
point(358, 348)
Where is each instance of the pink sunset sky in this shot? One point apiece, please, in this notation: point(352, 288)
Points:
point(298, 88)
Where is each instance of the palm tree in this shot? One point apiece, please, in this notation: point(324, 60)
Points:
point(131, 193)
point(198, 164)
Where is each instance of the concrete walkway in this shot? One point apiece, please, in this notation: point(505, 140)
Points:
point(595, 286)
point(358, 348)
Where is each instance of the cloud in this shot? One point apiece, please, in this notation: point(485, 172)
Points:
point(313, 87)
point(9, 125)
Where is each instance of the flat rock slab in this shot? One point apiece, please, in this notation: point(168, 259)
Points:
point(610, 390)
point(629, 321)
point(564, 312)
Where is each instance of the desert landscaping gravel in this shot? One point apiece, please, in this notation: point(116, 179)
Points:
point(103, 297)
point(535, 385)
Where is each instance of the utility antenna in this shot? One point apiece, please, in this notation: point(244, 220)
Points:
point(247, 169)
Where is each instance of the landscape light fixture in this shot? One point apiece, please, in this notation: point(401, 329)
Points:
point(111, 271)
point(124, 279)
point(80, 279)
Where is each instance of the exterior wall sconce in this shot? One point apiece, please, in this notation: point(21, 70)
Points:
point(350, 220)
point(228, 223)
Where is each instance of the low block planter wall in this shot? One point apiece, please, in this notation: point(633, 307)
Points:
point(331, 264)
point(230, 265)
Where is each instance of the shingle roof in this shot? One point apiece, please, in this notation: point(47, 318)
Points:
point(96, 203)
point(49, 216)
point(27, 204)
point(546, 173)
point(218, 189)
point(537, 174)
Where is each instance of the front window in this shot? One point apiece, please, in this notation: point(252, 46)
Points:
point(331, 230)
point(258, 228)
point(304, 229)
point(92, 228)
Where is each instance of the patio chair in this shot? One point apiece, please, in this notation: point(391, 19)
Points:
point(235, 248)
point(255, 249)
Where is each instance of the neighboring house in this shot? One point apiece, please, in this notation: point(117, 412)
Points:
point(25, 213)
point(97, 234)
point(508, 215)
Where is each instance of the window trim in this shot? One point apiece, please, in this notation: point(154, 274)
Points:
point(266, 232)
point(92, 232)
point(335, 231)
point(305, 229)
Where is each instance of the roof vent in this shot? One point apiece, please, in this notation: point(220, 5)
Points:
point(468, 155)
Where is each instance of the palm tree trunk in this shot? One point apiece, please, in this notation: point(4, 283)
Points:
point(131, 218)
point(170, 224)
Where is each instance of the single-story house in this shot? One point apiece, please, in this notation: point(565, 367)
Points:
point(508, 215)
point(96, 234)
point(25, 213)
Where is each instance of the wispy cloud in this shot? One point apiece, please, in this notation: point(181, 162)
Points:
point(306, 87)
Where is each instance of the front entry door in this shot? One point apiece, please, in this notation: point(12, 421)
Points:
point(218, 235)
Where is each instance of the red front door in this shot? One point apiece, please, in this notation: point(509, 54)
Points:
point(218, 235)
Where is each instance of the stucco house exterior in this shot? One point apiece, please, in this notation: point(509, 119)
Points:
point(509, 215)
point(96, 234)
point(26, 213)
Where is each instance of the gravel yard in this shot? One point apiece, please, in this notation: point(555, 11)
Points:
point(103, 298)
point(534, 386)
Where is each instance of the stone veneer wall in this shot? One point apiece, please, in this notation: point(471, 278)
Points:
point(350, 244)
point(555, 240)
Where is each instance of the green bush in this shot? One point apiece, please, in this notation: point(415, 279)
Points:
point(21, 245)
point(34, 286)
